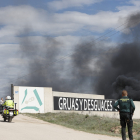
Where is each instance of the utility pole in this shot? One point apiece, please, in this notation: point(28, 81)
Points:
point(12, 92)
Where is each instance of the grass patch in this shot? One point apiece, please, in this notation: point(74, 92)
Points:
point(92, 124)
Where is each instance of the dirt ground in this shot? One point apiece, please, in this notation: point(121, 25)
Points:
point(26, 128)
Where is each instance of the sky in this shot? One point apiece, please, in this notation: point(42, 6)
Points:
point(67, 21)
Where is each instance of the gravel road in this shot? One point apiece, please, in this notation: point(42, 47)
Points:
point(26, 128)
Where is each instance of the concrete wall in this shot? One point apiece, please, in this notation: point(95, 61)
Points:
point(78, 95)
point(16, 96)
point(31, 99)
point(90, 96)
point(90, 113)
point(48, 100)
point(49, 105)
point(137, 110)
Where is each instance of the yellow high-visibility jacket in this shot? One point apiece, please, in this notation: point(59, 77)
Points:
point(8, 103)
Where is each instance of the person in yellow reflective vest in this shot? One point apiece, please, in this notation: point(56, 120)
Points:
point(8, 102)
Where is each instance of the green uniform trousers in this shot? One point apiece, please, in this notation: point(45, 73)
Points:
point(125, 118)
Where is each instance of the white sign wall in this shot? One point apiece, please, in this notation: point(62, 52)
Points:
point(31, 100)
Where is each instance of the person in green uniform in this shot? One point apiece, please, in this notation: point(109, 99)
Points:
point(126, 109)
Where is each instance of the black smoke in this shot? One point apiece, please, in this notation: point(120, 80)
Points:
point(116, 68)
point(43, 70)
point(122, 71)
point(93, 67)
point(47, 65)
point(47, 68)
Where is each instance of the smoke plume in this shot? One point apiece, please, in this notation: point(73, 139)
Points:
point(124, 70)
point(116, 68)
point(121, 72)
point(94, 68)
point(46, 65)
